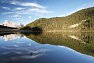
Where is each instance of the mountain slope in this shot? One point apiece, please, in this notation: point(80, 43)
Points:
point(65, 23)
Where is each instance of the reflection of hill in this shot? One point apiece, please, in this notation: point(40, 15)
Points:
point(5, 33)
point(81, 42)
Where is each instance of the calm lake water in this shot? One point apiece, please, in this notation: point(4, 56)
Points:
point(48, 47)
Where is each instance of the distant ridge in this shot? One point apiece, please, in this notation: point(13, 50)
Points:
point(1, 26)
point(12, 24)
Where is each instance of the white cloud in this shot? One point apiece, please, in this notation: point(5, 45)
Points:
point(34, 11)
point(27, 4)
point(25, 9)
point(29, 8)
point(19, 8)
point(6, 8)
point(40, 10)
point(32, 5)
point(15, 9)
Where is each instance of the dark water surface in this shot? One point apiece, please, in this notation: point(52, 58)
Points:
point(48, 47)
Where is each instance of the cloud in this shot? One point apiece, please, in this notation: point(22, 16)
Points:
point(25, 9)
point(19, 8)
point(14, 9)
point(32, 5)
point(32, 11)
point(40, 10)
point(6, 8)
point(27, 4)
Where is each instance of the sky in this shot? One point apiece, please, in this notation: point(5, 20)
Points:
point(26, 11)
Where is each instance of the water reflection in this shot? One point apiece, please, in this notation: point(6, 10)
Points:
point(10, 36)
point(82, 42)
point(47, 46)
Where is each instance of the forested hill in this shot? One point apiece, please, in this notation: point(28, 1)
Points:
point(80, 20)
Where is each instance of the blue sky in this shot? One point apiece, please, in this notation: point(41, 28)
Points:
point(25, 11)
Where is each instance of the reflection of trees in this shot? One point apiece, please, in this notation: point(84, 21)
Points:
point(84, 44)
point(87, 37)
point(5, 33)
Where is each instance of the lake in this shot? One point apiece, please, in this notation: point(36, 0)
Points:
point(47, 47)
